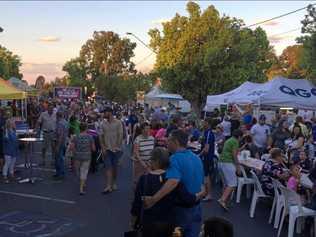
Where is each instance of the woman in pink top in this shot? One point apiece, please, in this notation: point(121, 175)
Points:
point(161, 137)
point(294, 180)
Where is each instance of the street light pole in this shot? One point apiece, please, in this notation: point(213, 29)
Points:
point(129, 33)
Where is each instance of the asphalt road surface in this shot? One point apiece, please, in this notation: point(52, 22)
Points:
point(97, 215)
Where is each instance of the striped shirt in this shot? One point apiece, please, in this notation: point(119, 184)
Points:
point(146, 145)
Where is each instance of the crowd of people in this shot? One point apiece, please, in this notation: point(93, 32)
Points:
point(170, 177)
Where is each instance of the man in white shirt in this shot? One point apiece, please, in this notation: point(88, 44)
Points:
point(226, 125)
point(260, 133)
point(47, 123)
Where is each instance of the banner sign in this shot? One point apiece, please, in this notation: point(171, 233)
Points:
point(67, 92)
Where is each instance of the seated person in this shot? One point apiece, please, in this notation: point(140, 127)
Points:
point(247, 144)
point(300, 157)
point(151, 183)
point(273, 168)
point(294, 182)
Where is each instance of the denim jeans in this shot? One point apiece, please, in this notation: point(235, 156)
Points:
point(59, 161)
point(190, 220)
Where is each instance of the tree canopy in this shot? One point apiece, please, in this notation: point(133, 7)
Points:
point(107, 54)
point(205, 53)
point(308, 59)
point(9, 64)
point(288, 64)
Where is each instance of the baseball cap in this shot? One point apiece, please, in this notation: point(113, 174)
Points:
point(262, 117)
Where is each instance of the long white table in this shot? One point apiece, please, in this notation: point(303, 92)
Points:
point(258, 165)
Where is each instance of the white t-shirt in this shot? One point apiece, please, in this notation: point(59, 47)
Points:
point(260, 135)
point(226, 128)
point(307, 115)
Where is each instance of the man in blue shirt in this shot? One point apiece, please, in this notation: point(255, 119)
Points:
point(187, 168)
point(207, 156)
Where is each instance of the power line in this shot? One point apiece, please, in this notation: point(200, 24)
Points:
point(277, 17)
point(144, 59)
point(286, 32)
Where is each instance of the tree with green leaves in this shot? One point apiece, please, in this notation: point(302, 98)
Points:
point(288, 63)
point(205, 53)
point(108, 54)
point(9, 64)
point(308, 59)
point(77, 72)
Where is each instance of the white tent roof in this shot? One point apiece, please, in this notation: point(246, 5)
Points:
point(157, 93)
point(281, 92)
point(153, 92)
point(213, 101)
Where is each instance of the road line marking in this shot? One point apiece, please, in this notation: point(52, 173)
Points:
point(38, 197)
point(44, 169)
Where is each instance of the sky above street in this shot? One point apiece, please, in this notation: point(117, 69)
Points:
point(47, 34)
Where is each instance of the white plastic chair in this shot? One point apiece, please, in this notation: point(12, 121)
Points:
point(265, 157)
point(278, 203)
point(244, 180)
point(293, 208)
point(257, 193)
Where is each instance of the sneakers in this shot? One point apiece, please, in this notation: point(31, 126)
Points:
point(114, 187)
point(223, 204)
point(208, 198)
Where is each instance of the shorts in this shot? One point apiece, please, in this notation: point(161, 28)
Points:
point(228, 171)
point(208, 166)
point(83, 168)
point(111, 159)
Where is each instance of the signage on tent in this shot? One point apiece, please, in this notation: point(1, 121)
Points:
point(298, 92)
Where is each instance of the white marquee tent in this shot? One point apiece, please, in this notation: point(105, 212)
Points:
point(157, 97)
point(222, 99)
point(279, 92)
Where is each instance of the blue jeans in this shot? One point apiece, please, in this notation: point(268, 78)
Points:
point(190, 220)
point(60, 160)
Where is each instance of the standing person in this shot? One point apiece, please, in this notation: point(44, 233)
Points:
point(280, 135)
point(47, 123)
point(111, 139)
point(185, 167)
point(207, 156)
point(83, 146)
point(260, 133)
point(229, 165)
point(2, 129)
point(61, 137)
point(131, 121)
point(227, 127)
point(143, 146)
point(10, 150)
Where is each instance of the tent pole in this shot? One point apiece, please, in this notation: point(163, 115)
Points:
point(26, 109)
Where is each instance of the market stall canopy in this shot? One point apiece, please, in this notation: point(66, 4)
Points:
point(280, 92)
point(9, 92)
point(214, 101)
point(154, 92)
point(23, 86)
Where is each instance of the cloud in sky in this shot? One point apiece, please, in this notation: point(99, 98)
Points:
point(271, 23)
point(49, 39)
point(49, 70)
point(159, 21)
point(279, 38)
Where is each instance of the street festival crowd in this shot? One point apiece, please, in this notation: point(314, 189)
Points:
point(175, 157)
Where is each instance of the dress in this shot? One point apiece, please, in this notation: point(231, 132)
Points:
point(270, 170)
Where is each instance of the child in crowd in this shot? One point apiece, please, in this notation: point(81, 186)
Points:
point(294, 180)
point(10, 150)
